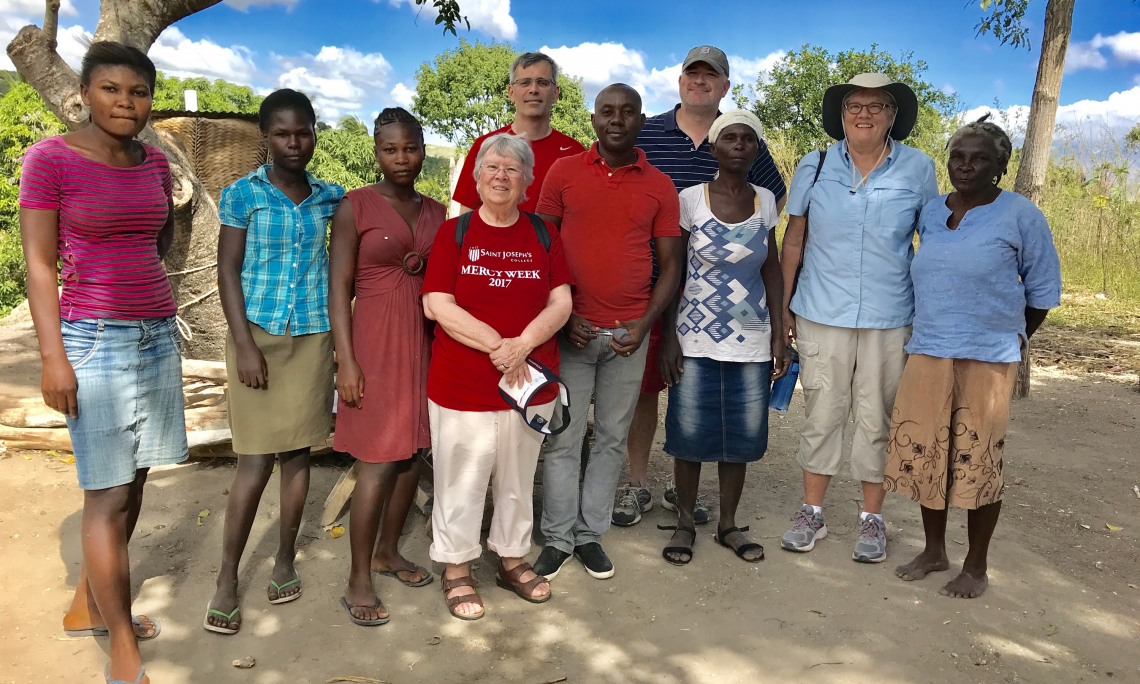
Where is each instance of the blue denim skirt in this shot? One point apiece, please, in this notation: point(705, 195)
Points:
point(718, 411)
point(130, 398)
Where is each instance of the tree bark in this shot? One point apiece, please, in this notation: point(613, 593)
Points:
point(1046, 94)
point(138, 23)
point(1038, 146)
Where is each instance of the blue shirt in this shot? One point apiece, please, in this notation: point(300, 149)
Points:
point(857, 261)
point(285, 269)
point(668, 148)
point(972, 284)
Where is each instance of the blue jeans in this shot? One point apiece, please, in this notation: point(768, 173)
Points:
point(574, 514)
point(130, 398)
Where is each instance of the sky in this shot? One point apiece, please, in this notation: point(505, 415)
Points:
point(358, 56)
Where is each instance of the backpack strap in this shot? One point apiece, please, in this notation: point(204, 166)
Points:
point(461, 227)
point(803, 243)
point(540, 229)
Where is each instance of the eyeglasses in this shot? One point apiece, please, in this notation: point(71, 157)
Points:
point(873, 108)
point(493, 170)
point(543, 83)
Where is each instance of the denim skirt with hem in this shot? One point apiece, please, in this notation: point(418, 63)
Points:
point(131, 412)
point(718, 411)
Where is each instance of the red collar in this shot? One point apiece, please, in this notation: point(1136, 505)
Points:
point(592, 157)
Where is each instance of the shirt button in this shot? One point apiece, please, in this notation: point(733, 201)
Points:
point(609, 174)
point(290, 284)
point(296, 244)
point(294, 265)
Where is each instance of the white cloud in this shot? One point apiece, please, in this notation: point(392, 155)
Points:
point(72, 45)
point(339, 80)
point(492, 17)
point(1125, 47)
point(176, 55)
point(600, 64)
point(1117, 114)
point(244, 5)
point(402, 95)
point(35, 8)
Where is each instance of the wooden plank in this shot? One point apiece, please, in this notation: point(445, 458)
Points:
point(339, 496)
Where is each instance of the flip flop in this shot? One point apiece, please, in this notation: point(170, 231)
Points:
point(229, 619)
point(278, 587)
point(103, 631)
point(415, 569)
point(364, 623)
point(137, 680)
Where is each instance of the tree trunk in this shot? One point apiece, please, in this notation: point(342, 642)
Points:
point(1038, 146)
point(139, 23)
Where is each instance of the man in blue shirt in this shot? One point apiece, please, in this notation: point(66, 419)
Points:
point(676, 142)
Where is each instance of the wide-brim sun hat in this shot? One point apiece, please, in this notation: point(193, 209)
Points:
point(906, 103)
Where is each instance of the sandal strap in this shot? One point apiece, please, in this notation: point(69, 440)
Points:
point(454, 601)
point(465, 581)
point(514, 575)
point(678, 528)
point(745, 548)
point(725, 533)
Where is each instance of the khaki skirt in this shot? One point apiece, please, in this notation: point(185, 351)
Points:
point(948, 431)
point(295, 412)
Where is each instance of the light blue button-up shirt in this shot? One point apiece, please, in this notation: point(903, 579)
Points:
point(857, 261)
point(285, 269)
point(972, 284)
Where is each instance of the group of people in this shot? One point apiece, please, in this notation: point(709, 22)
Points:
point(573, 276)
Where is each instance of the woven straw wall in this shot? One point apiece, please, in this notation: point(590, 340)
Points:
point(222, 150)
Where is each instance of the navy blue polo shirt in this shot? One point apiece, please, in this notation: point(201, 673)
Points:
point(668, 148)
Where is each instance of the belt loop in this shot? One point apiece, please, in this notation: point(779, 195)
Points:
point(100, 325)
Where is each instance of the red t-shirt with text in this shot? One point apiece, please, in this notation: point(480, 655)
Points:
point(502, 277)
point(546, 151)
point(609, 216)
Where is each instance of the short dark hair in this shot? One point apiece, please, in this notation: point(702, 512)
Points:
point(991, 132)
point(286, 98)
point(106, 53)
point(393, 115)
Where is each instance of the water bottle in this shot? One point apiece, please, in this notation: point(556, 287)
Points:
point(782, 389)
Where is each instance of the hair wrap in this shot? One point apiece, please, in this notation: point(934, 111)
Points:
point(737, 116)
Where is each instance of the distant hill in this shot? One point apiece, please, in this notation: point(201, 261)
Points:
point(5, 80)
point(440, 151)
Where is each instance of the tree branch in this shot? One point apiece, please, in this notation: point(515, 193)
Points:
point(139, 22)
point(51, 22)
point(33, 53)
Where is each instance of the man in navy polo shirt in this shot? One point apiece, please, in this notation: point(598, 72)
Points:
point(676, 142)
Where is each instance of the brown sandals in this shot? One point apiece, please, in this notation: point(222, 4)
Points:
point(509, 580)
point(453, 601)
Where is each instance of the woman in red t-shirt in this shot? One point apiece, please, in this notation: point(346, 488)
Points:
point(499, 296)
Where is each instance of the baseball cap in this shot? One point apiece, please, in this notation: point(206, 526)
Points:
point(714, 57)
point(519, 398)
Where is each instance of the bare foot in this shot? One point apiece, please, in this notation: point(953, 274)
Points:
point(965, 585)
point(923, 564)
point(225, 601)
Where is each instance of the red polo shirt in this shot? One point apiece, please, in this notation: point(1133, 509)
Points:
point(546, 151)
point(608, 219)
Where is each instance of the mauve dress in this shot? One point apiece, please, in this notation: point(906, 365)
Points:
point(390, 334)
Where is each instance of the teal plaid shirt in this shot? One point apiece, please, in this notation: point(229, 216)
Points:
point(285, 271)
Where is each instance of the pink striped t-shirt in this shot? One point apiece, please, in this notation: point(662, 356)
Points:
point(109, 219)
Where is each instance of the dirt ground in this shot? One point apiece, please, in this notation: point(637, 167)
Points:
point(1062, 604)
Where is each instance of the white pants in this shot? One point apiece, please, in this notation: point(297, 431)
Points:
point(848, 373)
point(470, 449)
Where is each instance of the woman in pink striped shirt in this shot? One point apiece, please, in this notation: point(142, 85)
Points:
point(99, 201)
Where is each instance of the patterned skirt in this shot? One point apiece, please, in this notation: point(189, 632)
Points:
point(947, 432)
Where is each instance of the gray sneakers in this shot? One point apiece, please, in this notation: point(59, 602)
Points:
point(669, 503)
point(632, 501)
point(807, 528)
point(871, 546)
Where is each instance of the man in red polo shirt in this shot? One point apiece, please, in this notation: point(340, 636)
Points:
point(533, 90)
point(608, 203)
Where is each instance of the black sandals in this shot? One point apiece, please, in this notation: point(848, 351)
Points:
point(677, 550)
point(743, 548)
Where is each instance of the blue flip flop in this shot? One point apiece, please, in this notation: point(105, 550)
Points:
point(138, 677)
